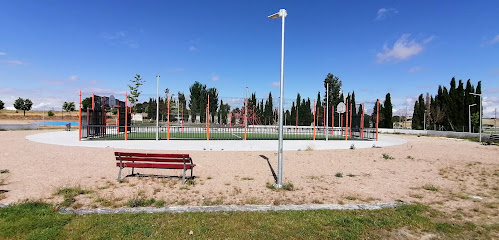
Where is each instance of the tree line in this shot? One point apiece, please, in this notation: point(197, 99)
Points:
point(450, 108)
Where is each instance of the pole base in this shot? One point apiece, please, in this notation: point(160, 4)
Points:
point(277, 185)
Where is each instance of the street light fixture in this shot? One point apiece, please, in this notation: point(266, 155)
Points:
point(481, 106)
point(281, 14)
point(157, 107)
point(469, 114)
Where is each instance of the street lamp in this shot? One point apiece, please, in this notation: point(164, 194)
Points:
point(281, 14)
point(481, 106)
point(157, 107)
point(469, 113)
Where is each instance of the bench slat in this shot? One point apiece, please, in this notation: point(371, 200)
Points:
point(156, 165)
point(153, 159)
point(173, 155)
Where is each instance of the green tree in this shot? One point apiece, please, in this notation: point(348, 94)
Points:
point(335, 95)
point(1, 105)
point(68, 107)
point(269, 111)
point(213, 93)
point(23, 104)
point(195, 96)
point(134, 90)
point(388, 112)
point(86, 103)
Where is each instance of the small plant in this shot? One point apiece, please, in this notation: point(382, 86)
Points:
point(50, 113)
point(69, 193)
point(247, 178)
point(285, 186)
point(416, 196)
point(138, 201)
point(387, 156)
point(190, 182)
point(209, 178)
point(338, 174)
point(374, 146)
point(351, 175)
point(309, 148)
point(4, 171)
point(352, 146)
point(430, 187)
point(351, 198)
point(410, 157)
point(160, 203)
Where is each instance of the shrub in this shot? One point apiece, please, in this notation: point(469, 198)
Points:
point(50, 113)
point(338, 174)
point(387, 156)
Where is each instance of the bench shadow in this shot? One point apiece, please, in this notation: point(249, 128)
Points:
point(270, 166)
point(158, 176)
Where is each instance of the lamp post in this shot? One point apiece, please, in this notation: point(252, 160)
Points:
point(157, 107)
point(281, 14)
point(481, 106)
point(469, 114)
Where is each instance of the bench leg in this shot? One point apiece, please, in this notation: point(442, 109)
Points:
point(132, 170)
point(183, 176)
point(119, 175)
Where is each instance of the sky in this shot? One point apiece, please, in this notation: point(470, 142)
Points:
point(50, 50)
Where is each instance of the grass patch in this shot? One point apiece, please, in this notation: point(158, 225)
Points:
point(139, 201)
point(190, 182)
point(40, 221)
point(4, 171)
point(410, 157)
point(351, 198)
point(247, 178)
point(338, 174)
point(430, 187)
point(69, 193)
point(351, 175)
point(285, 186)
point(387, 156)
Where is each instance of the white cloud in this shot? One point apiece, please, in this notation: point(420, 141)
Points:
point(177, 70)
point(494, 40)
point(402, 49)
point(415, 69)
point(215, 77)
point(3, 54)
point(120, 38)
point(192, 48)
point(74, 78)
point(385, 12)
point(14, 62)
point(490, 103)
point(93, 82)
point(275, 84)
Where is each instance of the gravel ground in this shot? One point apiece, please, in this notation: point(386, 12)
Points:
point(454, 175)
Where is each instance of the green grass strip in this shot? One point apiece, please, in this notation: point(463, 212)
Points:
point(42, 221)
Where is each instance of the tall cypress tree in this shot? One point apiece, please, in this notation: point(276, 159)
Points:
point(387, 112)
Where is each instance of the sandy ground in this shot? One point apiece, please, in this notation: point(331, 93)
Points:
point(465, 176)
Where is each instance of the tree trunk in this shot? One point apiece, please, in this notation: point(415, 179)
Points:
point(24, 111)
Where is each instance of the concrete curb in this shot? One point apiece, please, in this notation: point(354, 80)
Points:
point(232, 208)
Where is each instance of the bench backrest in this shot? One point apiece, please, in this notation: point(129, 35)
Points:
point(152, 157)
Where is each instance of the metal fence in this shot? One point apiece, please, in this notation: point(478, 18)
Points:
point(109, 132)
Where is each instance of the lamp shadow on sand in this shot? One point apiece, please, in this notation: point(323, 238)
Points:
point(270, 166)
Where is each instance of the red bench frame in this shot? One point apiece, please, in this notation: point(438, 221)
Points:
point(154, 160)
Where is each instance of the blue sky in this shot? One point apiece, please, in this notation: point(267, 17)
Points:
point(51, 49)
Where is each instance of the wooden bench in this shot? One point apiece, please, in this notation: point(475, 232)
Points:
point(154, 160)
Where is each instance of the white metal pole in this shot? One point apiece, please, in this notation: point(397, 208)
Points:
point(424, 120)
point(157, 108)
point(469, 115)
point(281, 96)
point(327, 112)
point(481, 106)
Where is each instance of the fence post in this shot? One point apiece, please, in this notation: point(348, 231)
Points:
point(377, 118)
point(168, 117)
point(315, 110)
point(346, 121)
point(79, 121)
point(126, 116)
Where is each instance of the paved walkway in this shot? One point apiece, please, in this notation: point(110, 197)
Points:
point(66, 138)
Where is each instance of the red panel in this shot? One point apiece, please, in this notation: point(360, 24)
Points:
point(151, 155)
point(156, 165)
point(137, 159)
